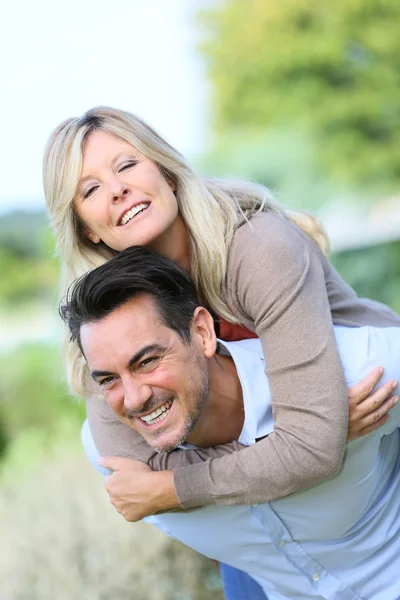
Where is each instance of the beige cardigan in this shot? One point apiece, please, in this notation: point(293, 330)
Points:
point(280, 286)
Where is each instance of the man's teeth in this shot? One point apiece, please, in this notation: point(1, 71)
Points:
point(157, 415)
point(133, 212)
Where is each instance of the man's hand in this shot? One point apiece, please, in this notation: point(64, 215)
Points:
point(367, 410)
point(136, 490)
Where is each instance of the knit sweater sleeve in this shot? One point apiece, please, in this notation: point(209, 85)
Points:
point(276, 282)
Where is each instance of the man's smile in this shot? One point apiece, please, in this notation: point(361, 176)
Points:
point(157, 415)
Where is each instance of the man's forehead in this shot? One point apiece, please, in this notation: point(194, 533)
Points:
point(137, 322)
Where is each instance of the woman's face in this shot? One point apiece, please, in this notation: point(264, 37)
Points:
point(122, 198)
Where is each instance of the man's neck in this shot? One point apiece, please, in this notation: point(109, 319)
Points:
point(222, 417)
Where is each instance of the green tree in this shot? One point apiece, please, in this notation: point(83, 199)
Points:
point(331, 69)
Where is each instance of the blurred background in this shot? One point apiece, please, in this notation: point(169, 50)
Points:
point(301, 95)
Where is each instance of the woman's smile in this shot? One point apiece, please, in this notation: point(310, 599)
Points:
point(132, 212)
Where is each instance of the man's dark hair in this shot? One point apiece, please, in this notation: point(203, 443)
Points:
point(136, 270)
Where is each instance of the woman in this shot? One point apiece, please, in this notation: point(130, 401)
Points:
point(112, 182)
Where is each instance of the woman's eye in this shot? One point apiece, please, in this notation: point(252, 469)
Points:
point(126, 166)
point(89, 191)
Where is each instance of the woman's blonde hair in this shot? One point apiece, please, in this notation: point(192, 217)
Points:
point(211, 210)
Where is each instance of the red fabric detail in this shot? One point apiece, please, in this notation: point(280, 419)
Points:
point(232, 332)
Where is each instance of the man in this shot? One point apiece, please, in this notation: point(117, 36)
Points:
point(152, 349)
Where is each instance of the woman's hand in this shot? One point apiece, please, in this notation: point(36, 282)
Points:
point(136, 490)
point(367, 410)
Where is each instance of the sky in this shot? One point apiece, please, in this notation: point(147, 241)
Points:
point(60, 58)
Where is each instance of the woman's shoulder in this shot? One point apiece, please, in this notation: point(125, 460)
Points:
point(269, 258)
point(269, 234)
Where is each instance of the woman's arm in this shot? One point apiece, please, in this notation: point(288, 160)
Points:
point(137, 491)
point(287, 301)
point(113, 438)
point(276, 282)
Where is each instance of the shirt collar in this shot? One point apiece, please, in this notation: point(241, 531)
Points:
point(249, 362)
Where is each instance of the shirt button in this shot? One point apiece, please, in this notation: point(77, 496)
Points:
point(315, 576)
point(282, 543)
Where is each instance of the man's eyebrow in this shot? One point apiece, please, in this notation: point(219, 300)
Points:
point(146, 350)
point(135, 358)
point(96, 374)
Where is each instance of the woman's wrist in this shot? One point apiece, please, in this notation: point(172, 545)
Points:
point(165, 493)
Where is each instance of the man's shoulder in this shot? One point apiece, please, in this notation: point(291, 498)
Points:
point(241, 347)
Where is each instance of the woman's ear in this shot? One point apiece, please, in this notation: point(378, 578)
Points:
point(171, 184)
point(91, 236)
point(203, 331)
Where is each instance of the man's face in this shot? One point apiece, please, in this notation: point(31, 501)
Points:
point(154, 381)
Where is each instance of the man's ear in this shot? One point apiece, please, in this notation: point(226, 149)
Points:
point(203, 331)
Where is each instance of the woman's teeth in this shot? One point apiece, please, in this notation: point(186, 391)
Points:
point(157, 415)
point(133, 212)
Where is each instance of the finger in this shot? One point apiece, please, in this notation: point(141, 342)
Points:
point(377, 414)
point(360, 391)
point(108, 486)
point(114, 463)
point(375, 400)
point(374, 426)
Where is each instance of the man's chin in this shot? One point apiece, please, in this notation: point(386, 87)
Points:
point(165, 445)
point(163, 441)
point(160, 441)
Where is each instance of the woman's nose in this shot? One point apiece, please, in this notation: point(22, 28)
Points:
point(120, 192)
point(118, 188)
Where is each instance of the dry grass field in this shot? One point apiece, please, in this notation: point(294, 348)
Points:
point(62, 540)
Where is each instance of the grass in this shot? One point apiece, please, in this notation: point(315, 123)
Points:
point(61, 539)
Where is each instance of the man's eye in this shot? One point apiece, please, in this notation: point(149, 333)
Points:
point(126, 166)
point(147, 362)
point(89, 191)
point(106, 382)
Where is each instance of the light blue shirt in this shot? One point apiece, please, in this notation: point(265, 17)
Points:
point(339, 540)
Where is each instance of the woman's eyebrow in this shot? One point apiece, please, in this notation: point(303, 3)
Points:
point(113, 162)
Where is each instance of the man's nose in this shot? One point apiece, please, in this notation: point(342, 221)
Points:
point(136, 396)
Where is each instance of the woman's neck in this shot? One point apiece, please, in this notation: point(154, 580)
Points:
point(174, 244)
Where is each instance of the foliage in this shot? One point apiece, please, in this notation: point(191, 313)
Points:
point(329, 69)
point(25, 279)
point(28, 269)
point(284, 161)
point(33, 395)
point(23, 233)
point(373, 272)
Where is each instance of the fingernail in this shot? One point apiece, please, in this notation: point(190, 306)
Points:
point(395, 384)
point(380, 370)
point(395, 399)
